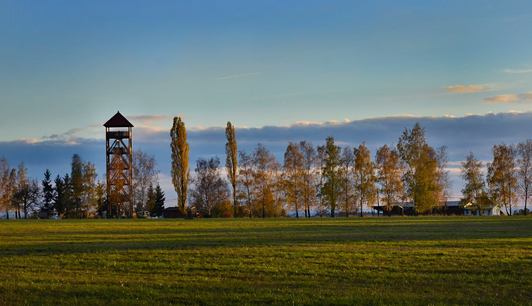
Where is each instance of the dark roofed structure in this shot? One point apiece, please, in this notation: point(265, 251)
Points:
point(118, 120)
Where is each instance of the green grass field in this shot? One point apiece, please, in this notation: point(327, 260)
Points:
point(411, 260)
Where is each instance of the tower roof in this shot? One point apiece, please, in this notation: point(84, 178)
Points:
point(118, 120)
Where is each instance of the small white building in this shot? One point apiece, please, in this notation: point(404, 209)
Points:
point(471, 209)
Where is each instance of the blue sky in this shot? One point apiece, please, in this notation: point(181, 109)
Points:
point(279, 70)
point(72, 64)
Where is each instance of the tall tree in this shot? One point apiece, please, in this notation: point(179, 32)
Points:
point(474, 187)
point(59, 199)
point(159, 201)
point(389, 176)
point(320, 182)
point(150, 200)
point(502, 179)
point(293, 176)
point(145, 175)
point(364, 175)
point(76, 174)
point(524, 162)
point(47, 192)
point(331, 177)
point(346, 178)
point(26, 193)
point(180, 168)
point(231, 162)
point(89, 190)
point(210, 189)
point(427, 190)
point(21, 190)
point(265, 182)
point(7, 186)
point(421, 178)
point(444, 181)
point(101, 198)
point(246, 180)
point(309, 176)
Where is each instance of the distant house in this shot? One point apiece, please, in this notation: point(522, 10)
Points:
point(471, 209)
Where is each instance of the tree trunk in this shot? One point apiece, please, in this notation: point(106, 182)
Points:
point(234, 201)
point(526, 200)
point(361, 203)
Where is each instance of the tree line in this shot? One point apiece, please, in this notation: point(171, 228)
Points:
point(327, 179)
point(332, 180)
point(78, 194)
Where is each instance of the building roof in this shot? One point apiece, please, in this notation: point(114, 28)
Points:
point(118, 120)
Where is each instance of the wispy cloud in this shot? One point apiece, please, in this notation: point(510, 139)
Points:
point(467, 88)
point(518, 71)
point(509, 98)
point(502, 99)
point(238, 76)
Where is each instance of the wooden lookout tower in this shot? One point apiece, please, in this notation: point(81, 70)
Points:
point(119, 166)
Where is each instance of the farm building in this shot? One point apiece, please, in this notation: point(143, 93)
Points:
point(471, 209)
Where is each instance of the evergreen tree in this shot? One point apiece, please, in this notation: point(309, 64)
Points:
point(150, 200)
point(159, 201)
point(48, 192)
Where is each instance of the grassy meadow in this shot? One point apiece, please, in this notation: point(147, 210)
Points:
point(410, 260)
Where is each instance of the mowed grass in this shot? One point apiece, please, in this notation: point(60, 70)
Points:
point(411, 260)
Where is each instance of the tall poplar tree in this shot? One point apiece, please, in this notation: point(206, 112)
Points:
point(180, 165)
point(231, 162)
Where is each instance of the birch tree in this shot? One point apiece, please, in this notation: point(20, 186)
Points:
point(524, 163)
point(502, 178)
point(364, 178)
point(389, 176)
